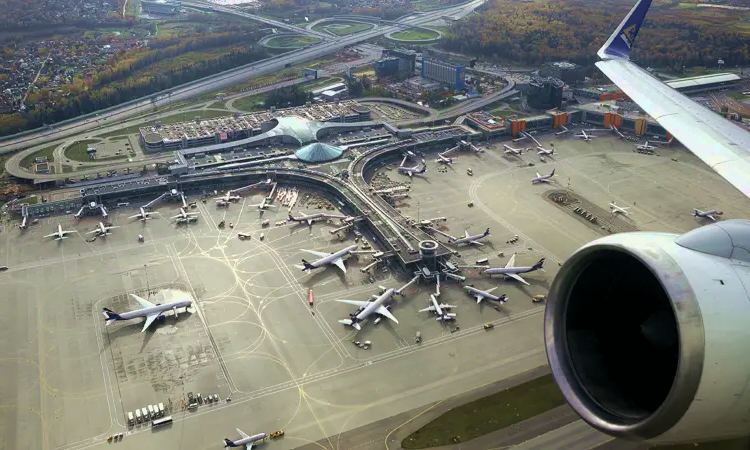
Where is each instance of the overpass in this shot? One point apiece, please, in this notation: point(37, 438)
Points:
point(219, 81)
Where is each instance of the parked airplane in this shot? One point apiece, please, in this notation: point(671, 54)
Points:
point(60, 233)
point(440, 309)
point(313, 217)
point(367, 308)
point(245, 440)
point(584, 136)
point(564, 131)
point(228, 197)
point(618, 209)
point(148, 310)
point(543, 178)
point(468, 239)
point(443, 160)
point(481, 295)
point(707, 214)
point(510, 271)
point(263, 205)
point(143, 215)
point(185, 216)
point(102, 230)
point(328, 259)
point(645, 146)
point(411, 171)
point(544, 152)
point(512, 151)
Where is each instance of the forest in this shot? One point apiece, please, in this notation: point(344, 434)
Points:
point(674, 35)
point(139, 72)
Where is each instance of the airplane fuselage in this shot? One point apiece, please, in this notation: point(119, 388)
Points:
point(484, 294)
point(154, 309)
point(507, 270)
point(373, 305)
point(470, 239)
point(332, 257)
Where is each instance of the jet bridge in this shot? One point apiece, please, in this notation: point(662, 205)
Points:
point(92, 206)
point(170, 194)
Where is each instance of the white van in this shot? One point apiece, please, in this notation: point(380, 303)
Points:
point(150, 411)
point(131, 420)
point(144, 412)
point(161, 409)
point(138, 416)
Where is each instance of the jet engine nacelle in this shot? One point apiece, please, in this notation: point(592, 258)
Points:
point(647, 334)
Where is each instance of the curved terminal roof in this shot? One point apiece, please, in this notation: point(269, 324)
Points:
point(318, 153)
point(296, 127)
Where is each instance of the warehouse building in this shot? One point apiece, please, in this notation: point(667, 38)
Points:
point(704, 83)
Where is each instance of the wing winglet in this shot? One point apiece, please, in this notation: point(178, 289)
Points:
point(621, 41)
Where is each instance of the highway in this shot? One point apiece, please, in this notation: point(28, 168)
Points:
point(224, 79)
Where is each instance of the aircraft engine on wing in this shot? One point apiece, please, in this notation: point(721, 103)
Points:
point(647, 333)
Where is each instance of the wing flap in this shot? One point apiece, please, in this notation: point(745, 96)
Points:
point(340, 264)
point(511, 262)
point(353, 302)
point(719, 143)
point(318, 254)
point(242, 433)
point(517, 278)
point(149, 320)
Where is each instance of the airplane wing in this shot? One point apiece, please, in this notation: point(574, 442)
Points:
point(479, 298)
point(511, 262)
point(722, 145)
point(94, 231)
point(149, 320)
point(538, 176)
point(383, 311)
point(133, 217)
point(447, 306)
point(353, 302)
point(242, 433)
point(517, 278)
point(711, 217)
point(318, 254)
point(144, 303)
point(69, 231)
point(475, 243)
point(50, 235)
point(429, 308)
point(340, 264)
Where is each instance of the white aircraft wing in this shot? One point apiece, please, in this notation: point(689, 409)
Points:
point(475, 242)
point(353, 302)
point(143, 302)
point(149, 320)
point(133, 217)
point(383, 311)
point(242, 433)
point(318, 254)
point(517, 278)
point(722, 145)
point(538, 176)
point(511, 262)
point(429, 308)
point(50, 235)
point(94, 231)
point(479, 297)
point(340, 264)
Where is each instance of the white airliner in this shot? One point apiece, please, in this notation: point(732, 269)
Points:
point(313, 217)
point(411, 171)
point(102, 230)
point(707, 214)
point(367, 308)
point(564, 131)
point(722, 145)
point(481, 295)
point(227, 197)
point(149, 310)
point(510, 271)
point(263, 205)
point(512, 151)
point(143, 215)
point(618, 209)
point(645, 146)
point(468, 239)
point(584, 136)
point(185, 216)
point(544, 152)
point(245, 440)
point(543, 178)
point(328, 259)
point(60, 233)
point(443, 160)
point(440, 309)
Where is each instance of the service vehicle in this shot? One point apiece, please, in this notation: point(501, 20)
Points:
point(276, 434)
point(538, 298)
point(488, 326)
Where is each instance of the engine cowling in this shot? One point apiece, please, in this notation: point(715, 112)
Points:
point(648, 334)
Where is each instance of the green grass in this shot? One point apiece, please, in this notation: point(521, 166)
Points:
point(414, 35)
point(686, 6)
point(341, 28)
point(28, 160)
point(739, 96)
point(488, 414)
point(122, 131)
point(119, 138)
point(66, 168)
point(77, 151)
point(291, 41)
point(248, 104)
point(31, 200)
point(320, 82)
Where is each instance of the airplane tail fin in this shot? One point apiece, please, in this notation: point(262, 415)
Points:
point(109, 316)
point(487, 232)
point(695, 212)
point(229, 443)
point(621, 41)
point(306, 266)
point(539, 265)
point(552, 174)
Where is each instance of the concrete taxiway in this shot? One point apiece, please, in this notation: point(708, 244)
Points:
point(252, 337)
